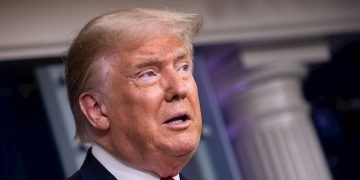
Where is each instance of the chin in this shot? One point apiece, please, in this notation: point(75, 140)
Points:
point(176, 165)
point(170, 172)
point(185, 151)
point(179, 155)
point(184, 148)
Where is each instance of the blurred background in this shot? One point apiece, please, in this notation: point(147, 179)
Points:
point(278, 82)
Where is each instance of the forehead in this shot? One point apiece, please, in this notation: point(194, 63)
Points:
point(161, 43)
point(159, 47)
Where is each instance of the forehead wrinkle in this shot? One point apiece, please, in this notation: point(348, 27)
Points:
point(178, 53)
point(152, 58)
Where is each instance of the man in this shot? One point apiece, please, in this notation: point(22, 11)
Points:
point(133, 95)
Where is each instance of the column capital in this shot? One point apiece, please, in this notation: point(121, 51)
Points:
point(291, 51)
point(262, 98)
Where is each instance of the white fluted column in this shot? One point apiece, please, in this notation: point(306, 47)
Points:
point(275, 138)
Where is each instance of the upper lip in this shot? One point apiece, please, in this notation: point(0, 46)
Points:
point(179, 115)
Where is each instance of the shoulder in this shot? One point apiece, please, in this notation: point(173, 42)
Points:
point(92, 169)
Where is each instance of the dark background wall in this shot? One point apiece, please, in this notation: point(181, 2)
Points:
point(333, 90)
point(27, 149)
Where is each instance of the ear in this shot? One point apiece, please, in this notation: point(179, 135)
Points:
point(94, 111)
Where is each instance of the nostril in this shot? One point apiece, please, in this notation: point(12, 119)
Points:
point(175, 89)
point(176, 97)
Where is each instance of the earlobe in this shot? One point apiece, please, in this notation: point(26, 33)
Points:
point(94, 111)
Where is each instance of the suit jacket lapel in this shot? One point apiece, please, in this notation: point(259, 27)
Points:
point(182, 177)
point(92, 169)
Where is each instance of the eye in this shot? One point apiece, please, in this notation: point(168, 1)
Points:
point(147, 74)
point(184, 67)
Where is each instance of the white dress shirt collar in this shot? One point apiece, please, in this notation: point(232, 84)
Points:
point(120, 169)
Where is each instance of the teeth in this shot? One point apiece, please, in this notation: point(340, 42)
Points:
point(176, 122)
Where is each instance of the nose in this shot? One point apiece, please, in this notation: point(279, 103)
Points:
point(175, 87)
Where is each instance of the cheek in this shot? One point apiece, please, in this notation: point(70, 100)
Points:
point(195, 103)
point(149, 102)
point(193, 94)
point(152, 95)
point(142, 106)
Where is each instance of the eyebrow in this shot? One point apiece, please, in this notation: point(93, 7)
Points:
point(149, 62)
point(153, 61)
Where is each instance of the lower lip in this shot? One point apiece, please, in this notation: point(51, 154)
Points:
point(178, 126)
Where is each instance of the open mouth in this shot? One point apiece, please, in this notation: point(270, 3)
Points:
point(177, 120)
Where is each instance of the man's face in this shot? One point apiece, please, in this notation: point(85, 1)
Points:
point(153, 106)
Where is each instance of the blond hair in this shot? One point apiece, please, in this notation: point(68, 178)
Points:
point(119, 30)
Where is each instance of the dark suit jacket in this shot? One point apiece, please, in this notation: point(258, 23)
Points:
point(92, 169)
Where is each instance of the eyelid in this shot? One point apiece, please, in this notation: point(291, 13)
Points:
point(187, 63)
point(144, 72)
